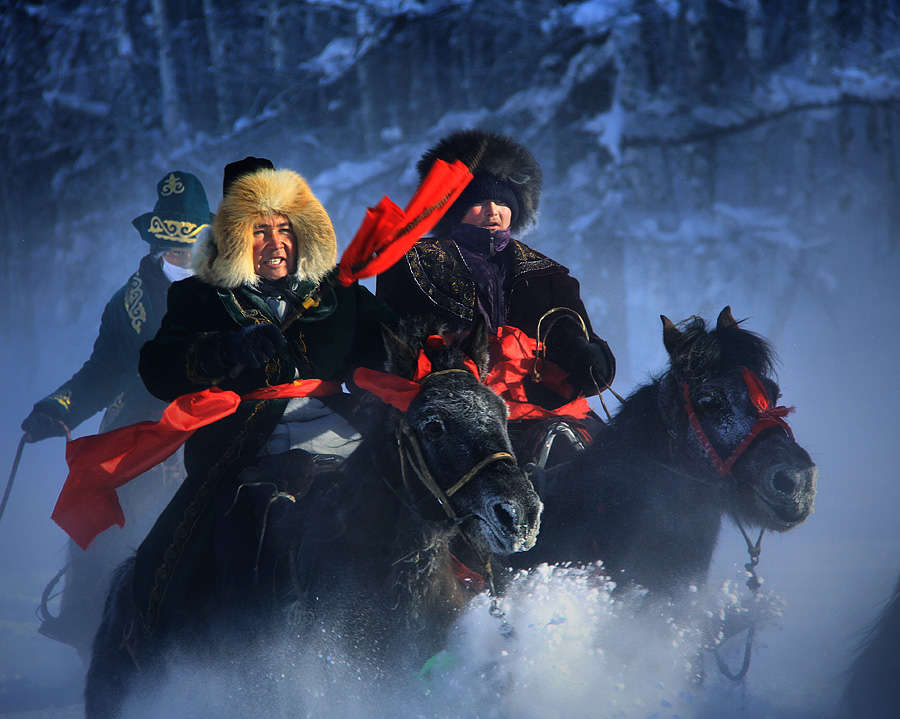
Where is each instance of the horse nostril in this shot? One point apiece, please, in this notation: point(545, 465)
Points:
point(506, 517)
point(784, 481)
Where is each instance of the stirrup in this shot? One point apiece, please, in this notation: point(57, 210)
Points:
point(43, 609)
point(552, 432)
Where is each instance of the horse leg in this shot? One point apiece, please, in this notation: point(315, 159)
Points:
point(115, 663)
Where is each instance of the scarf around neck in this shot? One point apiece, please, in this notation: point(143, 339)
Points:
point(485, 254)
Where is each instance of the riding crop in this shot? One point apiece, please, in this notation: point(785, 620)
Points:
point(15, 469)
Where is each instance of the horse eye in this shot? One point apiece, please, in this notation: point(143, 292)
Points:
point(710, 403)
point(433, 428)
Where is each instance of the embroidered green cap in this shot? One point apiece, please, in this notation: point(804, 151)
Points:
point(181, 212)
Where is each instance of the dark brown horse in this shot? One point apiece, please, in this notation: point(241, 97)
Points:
point(700, 442)
point(364, 556)
point(872, 690)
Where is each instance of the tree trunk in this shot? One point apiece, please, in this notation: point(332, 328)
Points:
point(171, 119)
point(887, 149)
point(125, 104)
point(274, 36)
point(697, 33)
point(821, 40)
point(756, 37)
point(366, 92)
point(214, 42)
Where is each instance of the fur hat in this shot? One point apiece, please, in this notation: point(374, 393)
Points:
point(180, 213)
point(224, 257)
point(494, 159)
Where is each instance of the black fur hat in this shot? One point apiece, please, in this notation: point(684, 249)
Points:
point(492, 158)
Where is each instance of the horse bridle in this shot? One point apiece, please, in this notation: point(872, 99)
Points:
point(767, 416)
point(412, 457)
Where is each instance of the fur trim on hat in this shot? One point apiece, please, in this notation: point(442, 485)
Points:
point(224, 257)
point(493, 154)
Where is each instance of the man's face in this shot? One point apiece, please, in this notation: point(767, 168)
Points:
point(490, 214)
point(274, 248)
point(178, 257)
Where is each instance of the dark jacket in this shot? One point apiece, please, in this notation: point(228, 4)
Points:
point(434, 279)
point(343, 332)
point(109, 379)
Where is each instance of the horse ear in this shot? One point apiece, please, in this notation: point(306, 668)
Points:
point(401, 359)
point(475, 344)
point(726, 319)
point(671, 335)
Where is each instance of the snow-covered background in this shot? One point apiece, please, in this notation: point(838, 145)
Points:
point(697, 153)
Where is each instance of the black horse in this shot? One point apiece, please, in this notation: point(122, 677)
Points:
point(699, 442)
point(364, 556)
point(872, 690)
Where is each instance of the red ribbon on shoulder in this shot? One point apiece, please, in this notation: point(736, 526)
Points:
point(512, 360)
point(101, 463)
point(512, 357)
point(399, 391)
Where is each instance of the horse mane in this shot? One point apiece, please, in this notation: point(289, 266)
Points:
point(871, 688)
point(402, 345)
point(701, 353)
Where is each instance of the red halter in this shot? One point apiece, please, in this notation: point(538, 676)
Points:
point(767, 416)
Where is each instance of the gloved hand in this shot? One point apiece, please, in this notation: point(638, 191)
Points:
point(586, 359)
point(40, 425)
point(251, 346)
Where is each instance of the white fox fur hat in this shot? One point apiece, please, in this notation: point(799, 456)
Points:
point(224, 257)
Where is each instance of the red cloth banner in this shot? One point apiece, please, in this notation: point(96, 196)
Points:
point(387, 232)
point(100, 464)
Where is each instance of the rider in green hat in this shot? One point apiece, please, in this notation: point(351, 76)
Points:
point(109, 381)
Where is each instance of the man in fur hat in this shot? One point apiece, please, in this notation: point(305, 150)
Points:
point(472, 265)
point(109, 381)
point(259, 312)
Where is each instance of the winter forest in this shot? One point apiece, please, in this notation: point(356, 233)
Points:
point(696, 154)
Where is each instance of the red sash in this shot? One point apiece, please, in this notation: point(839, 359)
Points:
point(99, 464)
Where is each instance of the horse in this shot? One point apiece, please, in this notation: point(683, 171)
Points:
point(871, 688)
point(648, 496)
point(365, 555)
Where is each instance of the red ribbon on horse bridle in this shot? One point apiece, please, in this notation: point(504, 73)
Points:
point(399, 391)
point(767, 416)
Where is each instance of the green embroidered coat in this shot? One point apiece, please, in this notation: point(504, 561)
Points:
point(109, 379)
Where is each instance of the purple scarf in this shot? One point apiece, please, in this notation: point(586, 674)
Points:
point(486, 255)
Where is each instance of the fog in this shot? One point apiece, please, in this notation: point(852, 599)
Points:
point(800, 239)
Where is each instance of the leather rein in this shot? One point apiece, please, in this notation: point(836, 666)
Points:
point(412, 459)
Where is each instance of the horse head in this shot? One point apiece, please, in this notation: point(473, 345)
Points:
point(718, 401)
point(456, 460)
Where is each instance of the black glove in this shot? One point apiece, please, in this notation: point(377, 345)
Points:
point(41, 425)
point(589, 365)
point(251, 346)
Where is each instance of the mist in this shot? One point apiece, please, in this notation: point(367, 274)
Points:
point(757, 169)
